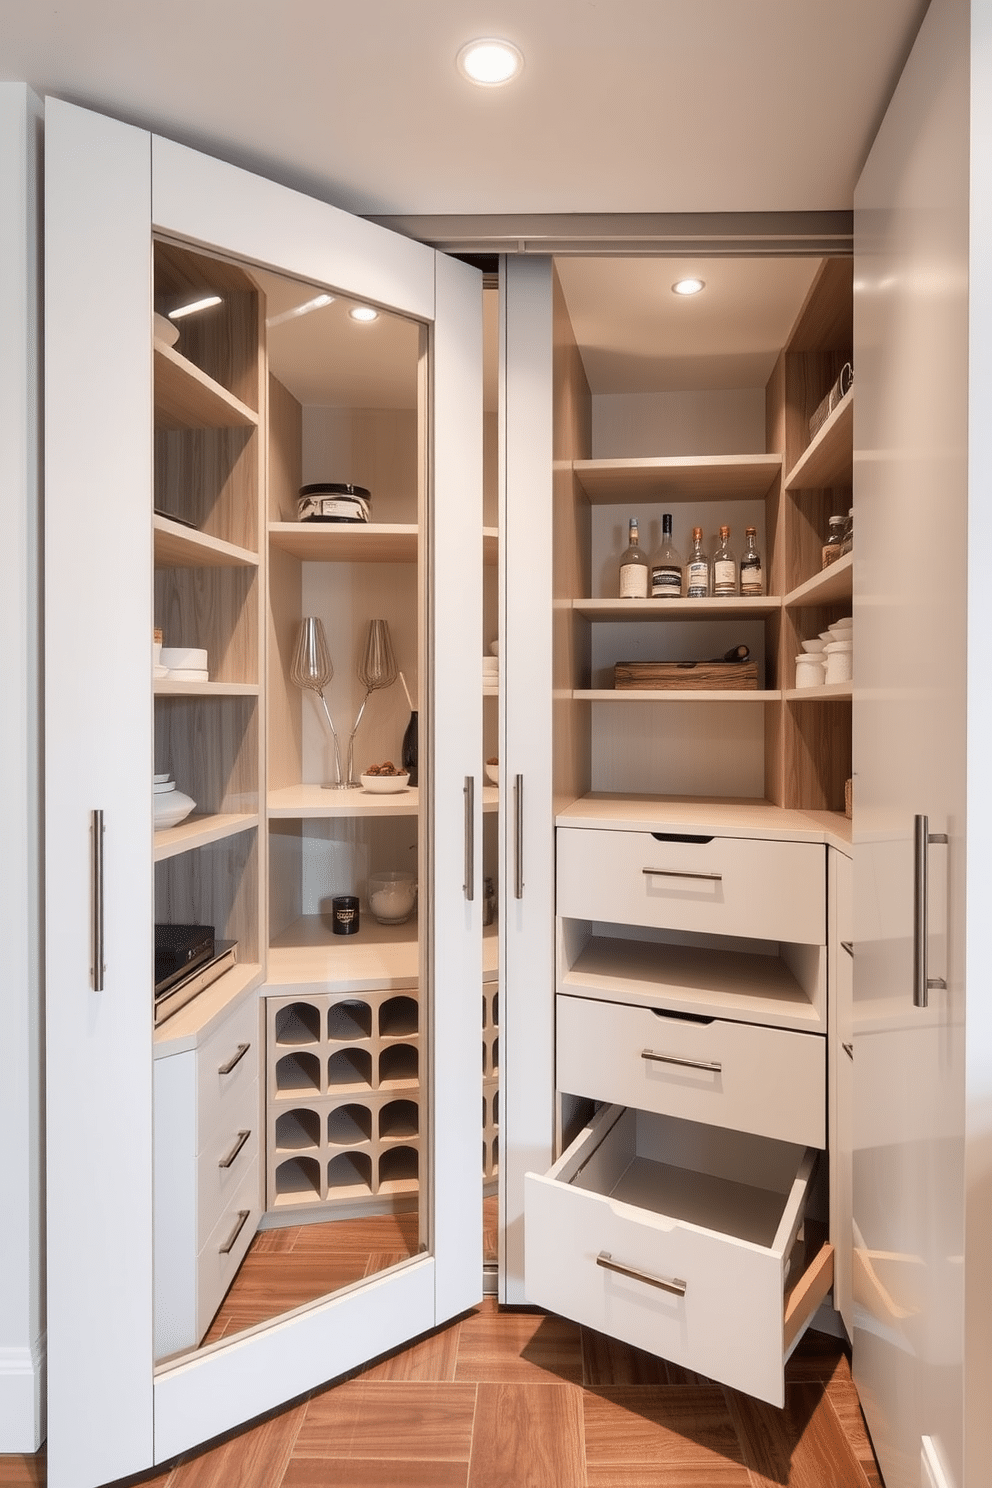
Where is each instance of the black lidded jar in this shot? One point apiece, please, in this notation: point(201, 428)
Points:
point(334, 501)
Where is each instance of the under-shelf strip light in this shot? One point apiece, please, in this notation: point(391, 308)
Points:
point(194, 306)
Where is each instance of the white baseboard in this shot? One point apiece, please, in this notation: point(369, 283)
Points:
point(22, 1398)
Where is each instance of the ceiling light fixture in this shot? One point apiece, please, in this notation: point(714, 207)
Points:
point(364, 313)
point(489, 61)
point(688, 286)
point(315, 304)
point(194, 306)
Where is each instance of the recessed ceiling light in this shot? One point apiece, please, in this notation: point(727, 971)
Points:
point(688, 286)
point(194, 306)
point(363, 312)
point(490, 61)
point(317, 303)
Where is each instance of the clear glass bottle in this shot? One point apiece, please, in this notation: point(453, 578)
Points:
point(697, 569)
point(847, 541)
point(752, 577)
point(831, 548)
point(724, 566)
point(666, 565)
point(635, 570)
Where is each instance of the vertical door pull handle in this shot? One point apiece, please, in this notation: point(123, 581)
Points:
point(923, 983)
point(97, 968)
point(518, 870)
point(469, 885)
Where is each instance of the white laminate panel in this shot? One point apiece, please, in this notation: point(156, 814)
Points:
point(222, 1098)
point(769, 1081)
point(215, 1183)
point(216, 1265)
point(719, 886)
point(725, 1243)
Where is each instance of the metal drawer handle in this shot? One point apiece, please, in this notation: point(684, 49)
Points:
point(848, 947)
point(98, 969)
point(236, 1058)
point(226, 1162)
point(922, 983)
point(666, 1283)
point(701, 1064)
point(848, 1050)
point(229, 1245)
point(680, 873)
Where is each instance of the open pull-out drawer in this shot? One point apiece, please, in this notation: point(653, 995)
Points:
point(682, 1239)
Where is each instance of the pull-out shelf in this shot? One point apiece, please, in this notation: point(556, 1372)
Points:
point(682, 1239)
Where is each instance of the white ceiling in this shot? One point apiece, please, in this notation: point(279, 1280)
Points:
point(623, 105)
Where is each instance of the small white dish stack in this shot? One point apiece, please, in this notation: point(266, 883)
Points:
point(184, 664)
point(829, 658)
point(170, 806)
point(490, 673)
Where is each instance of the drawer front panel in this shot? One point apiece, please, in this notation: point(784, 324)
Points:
point(216, 1266)
point(738, 886)
point(769, 1081)
point(221, 1168)
point(226, 1072)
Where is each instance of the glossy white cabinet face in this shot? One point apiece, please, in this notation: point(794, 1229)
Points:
point(910, 453)
point(109, 187)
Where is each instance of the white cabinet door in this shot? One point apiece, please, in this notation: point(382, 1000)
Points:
point(108, 187)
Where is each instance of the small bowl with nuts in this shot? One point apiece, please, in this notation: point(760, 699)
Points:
point(492, 770)
point(385, 780)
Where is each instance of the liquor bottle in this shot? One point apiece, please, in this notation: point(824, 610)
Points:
point(724, 566)
point(697, 569)
point(635, 571)
point(666, 565)
point(752, 578)
point(847, 541)
point(409, 748)
point(831, 548)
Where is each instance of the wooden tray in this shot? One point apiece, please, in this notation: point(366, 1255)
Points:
point(695, 676)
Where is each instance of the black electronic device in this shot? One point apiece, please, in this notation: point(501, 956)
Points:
point(180, 949)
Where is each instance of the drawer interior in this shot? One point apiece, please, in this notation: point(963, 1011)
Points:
point(691, 1174)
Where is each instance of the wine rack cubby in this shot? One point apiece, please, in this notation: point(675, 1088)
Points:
point(344, 1121)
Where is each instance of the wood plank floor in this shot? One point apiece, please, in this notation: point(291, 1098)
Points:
point(514, 1399)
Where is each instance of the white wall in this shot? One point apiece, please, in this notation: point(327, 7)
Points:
point(21, 1091)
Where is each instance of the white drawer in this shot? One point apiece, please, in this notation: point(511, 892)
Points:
point(225, 1071)
point(765, 890)
point(220, 1171)
point(769, 1081)
point(644, 1231)
point(217, 1265)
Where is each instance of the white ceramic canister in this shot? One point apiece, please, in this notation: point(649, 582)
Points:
point(839, 657)
point(809, 669)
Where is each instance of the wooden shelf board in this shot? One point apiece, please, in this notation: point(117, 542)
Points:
point(192, 1024)
point(829, 692)
point(379, 956)
point(167, 688)
point(490, 798)
point(735, 608)
point(672, 695)
point(725, 984)
point(186, 398)
point(726, 816)
point(347, 542)
point(303, 801)
point(197, 831)
point(828, 459)
point(683, 478)
point(838, 829)
point(832, 585)
point(490, 546)
point(178, 546)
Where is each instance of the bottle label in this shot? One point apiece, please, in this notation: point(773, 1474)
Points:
point(697, 580)
point(634, 581)
point(752, 579)
point(666, 581)
point(725, 576)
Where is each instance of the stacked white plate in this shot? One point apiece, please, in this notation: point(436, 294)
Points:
point(170, 805)
point(490, 673)
point(185, 663)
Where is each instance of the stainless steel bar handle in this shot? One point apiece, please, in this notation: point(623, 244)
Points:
point(518, 870)
point(228, 1161)
point(923, 983)
point(469, 884)
point(230, 1243)
point(712, 1065)
point(666, 1283)
point(235, 1059)
point(97, 969)
point(680, 873)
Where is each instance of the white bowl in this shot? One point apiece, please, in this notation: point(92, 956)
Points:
point(163, 787)
point(171, 809)
point(183, 657)
point(164, 329)
point(841, 625)
point(817, 644)
point(492, 773)
point(160, 779)
point(392, 895)
point(494, 647)
point(188, 674)
point(386, 785)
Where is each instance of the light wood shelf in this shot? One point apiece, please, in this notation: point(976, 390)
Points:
point(673, 695)
point(828, 692)
point(832, 585)
point(194, 1023)
point(726, 816)
point(311, 801)
point(678, 478)
point(735, 607)
point(713, 983)
point(307, 954)
point(179, 546)
point(186, 398)
point(164, 687)
point(198, 831)
point(829, 459)
point(347, 542)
